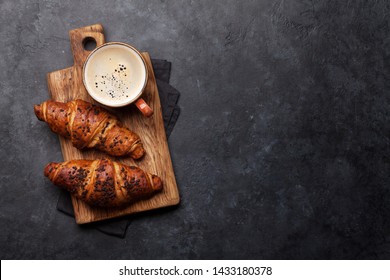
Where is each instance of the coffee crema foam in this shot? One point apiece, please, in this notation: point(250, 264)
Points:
point(114, 74)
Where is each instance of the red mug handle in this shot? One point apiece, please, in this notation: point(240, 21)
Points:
point(144, 108)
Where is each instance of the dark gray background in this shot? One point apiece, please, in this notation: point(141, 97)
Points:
point(281, 150)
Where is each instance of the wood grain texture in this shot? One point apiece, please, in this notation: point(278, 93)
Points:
point(67, 84)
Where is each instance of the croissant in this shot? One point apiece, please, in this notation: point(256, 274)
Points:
point(103, 183)
point(90, 126)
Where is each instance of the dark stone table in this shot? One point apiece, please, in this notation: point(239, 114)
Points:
point(282, 146)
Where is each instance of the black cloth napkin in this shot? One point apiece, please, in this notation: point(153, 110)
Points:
point(169, 97)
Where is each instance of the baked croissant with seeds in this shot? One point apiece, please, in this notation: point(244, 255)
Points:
point(90, 126)
point(103, 183)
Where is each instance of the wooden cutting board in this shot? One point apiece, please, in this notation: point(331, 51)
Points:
point(67, 84)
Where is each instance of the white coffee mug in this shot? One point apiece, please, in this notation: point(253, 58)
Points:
point(115, 74)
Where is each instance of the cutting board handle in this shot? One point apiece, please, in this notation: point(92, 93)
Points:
point(78, 38)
